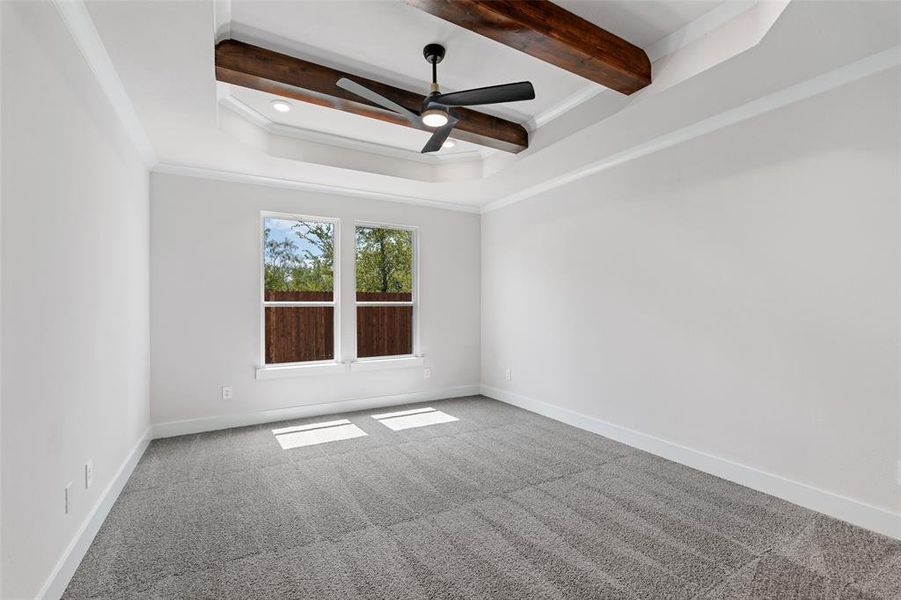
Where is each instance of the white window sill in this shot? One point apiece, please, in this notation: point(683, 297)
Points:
point(396, 362)
point(316, 368)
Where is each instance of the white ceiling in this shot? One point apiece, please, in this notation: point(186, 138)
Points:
point(383, 40)
point(724, 55)
point(304, 117)
point(641, 22)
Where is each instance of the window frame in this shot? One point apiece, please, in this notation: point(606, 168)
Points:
point(414, 293)
point(335, 302)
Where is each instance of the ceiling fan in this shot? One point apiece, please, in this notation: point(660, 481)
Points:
point(435, 112)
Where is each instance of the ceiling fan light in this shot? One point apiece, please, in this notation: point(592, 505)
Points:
point(434, 117)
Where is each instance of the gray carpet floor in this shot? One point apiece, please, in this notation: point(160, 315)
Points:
point(500, 503)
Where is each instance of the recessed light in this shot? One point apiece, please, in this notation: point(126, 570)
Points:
point(281, 105)
point(448, 143)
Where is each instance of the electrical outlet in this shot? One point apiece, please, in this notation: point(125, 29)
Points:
point(227, 392)
point(88, 474)
point(427, 372)
point(67, 497)
point(508, 375)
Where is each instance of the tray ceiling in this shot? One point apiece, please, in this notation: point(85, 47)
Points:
point(714, 56)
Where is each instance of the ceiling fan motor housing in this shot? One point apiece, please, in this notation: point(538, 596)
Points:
point(434, 53)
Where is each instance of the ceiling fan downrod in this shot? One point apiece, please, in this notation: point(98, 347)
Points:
point(434, 54)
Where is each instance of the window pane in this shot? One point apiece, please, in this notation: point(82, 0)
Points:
point(298, 260)
point(299, 333)
point(384, 330)
point(384, 264)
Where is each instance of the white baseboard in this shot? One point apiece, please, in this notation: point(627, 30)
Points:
point(59, 578)
point(56, 583)
point(847, 509)
point(173, 428)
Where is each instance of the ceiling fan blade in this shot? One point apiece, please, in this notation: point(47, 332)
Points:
point(355, 88)
point(437, 140)
point(495, 94)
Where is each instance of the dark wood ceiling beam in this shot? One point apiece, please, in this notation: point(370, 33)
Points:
point(254, 67)
point(550, 33)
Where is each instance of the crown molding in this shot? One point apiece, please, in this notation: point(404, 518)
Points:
point(78, 21)
point(237, 177)
point(659, 49)
point(561, 108)
point(698, 28)
point(871, 65)
point(339, 141)
point(222, 19)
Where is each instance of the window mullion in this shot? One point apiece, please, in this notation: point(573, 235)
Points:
point(276, 303)
point(386, 303)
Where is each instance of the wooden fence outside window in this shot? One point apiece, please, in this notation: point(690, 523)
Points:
point(307, 333)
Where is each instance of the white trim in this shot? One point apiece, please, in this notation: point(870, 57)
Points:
point(173, 428)
point(848, 509)
point(391, 303)
point(677, 40)
point(567, 104)
point(80, 25)
point(378, 364)
point(414, 303)
point(383, 225)
point(299, 303)
point(339, 141)
point(299, 369)
point(843, 75)
point(1, 295)
point(222, 20)
point(56, 583)
point(227, 100)
point(698, 28)
point(278, 182)
point(849, 73)
point(265, 371)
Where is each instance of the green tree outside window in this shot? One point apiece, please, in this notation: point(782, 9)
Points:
point(384, 260)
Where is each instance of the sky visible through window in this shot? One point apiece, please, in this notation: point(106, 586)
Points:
point(298, 256)
point(281, 230)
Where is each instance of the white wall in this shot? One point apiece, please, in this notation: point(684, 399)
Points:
point(205, 298)
point(1, 302)
point(75, 352)
point(737, 294)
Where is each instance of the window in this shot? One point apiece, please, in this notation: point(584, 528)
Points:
point(386, 302)
point(299, 298)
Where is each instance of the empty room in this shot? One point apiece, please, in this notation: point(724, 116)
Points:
point(450, 299)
